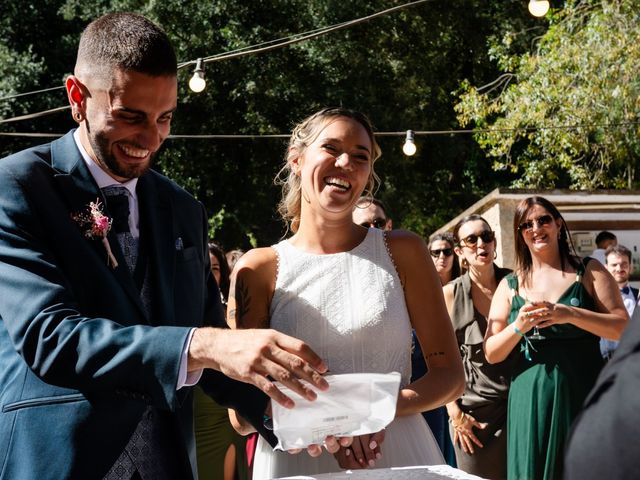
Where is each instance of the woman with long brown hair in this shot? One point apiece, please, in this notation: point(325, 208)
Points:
point(552, 310)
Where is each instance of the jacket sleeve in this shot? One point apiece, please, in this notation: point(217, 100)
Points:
point(60, 307)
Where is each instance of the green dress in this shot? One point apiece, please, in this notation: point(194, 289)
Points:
point(214, 435)
point(550, 383)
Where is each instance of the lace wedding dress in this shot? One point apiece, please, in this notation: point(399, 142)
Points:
point(350, 308)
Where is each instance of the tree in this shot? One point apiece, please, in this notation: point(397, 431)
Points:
point(583, 74)
point(401, 69)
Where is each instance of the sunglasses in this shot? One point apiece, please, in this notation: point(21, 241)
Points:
point(487, 236)
point(377, 223)
point(436, 253)
point(541, 221)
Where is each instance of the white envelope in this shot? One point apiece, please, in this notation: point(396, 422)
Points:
point(354, 404)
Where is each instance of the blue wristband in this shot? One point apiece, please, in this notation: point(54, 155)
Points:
point(517, 330)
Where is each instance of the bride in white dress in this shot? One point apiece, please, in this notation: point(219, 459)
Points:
point(352, 294)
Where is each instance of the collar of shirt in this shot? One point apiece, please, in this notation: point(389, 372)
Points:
point(103, 179)
point(629, 300)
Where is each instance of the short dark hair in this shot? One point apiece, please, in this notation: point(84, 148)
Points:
point(369, 201)
point(604, 236)
point(127, 41)
point(618, 250)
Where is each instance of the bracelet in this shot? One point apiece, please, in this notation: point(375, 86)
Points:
point(517, 330)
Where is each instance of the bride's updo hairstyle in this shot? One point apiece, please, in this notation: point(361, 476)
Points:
point(304, 134)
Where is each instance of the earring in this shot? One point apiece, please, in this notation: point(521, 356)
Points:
point(495, 254)
point(77, 116)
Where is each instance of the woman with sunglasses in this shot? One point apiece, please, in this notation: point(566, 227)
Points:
point(572, 302)
point(478, 418)
point(352, 293)
point(441, 251)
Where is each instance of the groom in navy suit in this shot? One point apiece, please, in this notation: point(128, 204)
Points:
point(107, 304)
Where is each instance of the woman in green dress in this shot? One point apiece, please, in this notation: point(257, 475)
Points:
point(553, 308)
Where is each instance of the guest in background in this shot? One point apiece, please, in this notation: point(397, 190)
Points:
point(441, 249)
point(604, 240)
point(478, 419)
point(220, 449)
point(572, 303)
point(618, 262)
point(371, 212)
point(220, 270)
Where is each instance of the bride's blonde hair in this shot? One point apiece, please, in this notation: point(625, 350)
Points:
point(304, 134)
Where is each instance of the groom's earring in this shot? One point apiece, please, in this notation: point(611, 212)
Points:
point(77, 116)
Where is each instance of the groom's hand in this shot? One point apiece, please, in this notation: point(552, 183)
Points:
point(252, 356)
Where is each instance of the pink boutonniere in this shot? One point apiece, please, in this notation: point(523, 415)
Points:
point(95, 225)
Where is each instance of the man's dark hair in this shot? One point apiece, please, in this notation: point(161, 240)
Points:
point(365, 200)
point(127, 41)
point(617, 249)
point(603, 237)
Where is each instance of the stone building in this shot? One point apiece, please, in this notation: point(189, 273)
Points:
point(586, 212)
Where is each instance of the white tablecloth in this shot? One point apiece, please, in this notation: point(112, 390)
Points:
point(431, 472)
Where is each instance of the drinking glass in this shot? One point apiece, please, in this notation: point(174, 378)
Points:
point(535, 297)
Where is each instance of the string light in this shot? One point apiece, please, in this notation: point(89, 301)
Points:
point(538, 8)
point(409, 147)
point(197, 82)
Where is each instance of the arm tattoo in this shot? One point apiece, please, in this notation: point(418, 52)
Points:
point(243, 300)
point(434, 354)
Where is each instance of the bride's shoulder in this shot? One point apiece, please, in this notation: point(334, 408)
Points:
point(258, 260)
point(404, 238)
point(406, 246)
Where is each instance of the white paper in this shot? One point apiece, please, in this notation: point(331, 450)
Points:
point(354, 404)
point(422, 472)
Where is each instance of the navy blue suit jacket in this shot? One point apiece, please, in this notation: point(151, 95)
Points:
point(79, 359)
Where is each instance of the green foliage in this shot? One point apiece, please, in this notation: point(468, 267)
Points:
point(400, 69)
point(583, 74)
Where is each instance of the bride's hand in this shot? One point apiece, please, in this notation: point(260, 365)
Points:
point(363, 453)
point(331, 443)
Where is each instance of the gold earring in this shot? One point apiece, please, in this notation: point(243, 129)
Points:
point(77, 116)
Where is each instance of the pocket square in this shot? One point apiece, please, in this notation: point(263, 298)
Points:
point(179, 244)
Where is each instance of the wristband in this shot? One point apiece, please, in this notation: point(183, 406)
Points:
point(517, 330)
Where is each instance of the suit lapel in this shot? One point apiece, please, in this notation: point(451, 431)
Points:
point(156, 214)
point(78, 188)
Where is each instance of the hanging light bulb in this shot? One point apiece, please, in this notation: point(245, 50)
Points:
point(409, 147)
point(197, 82)
point(538, 8)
